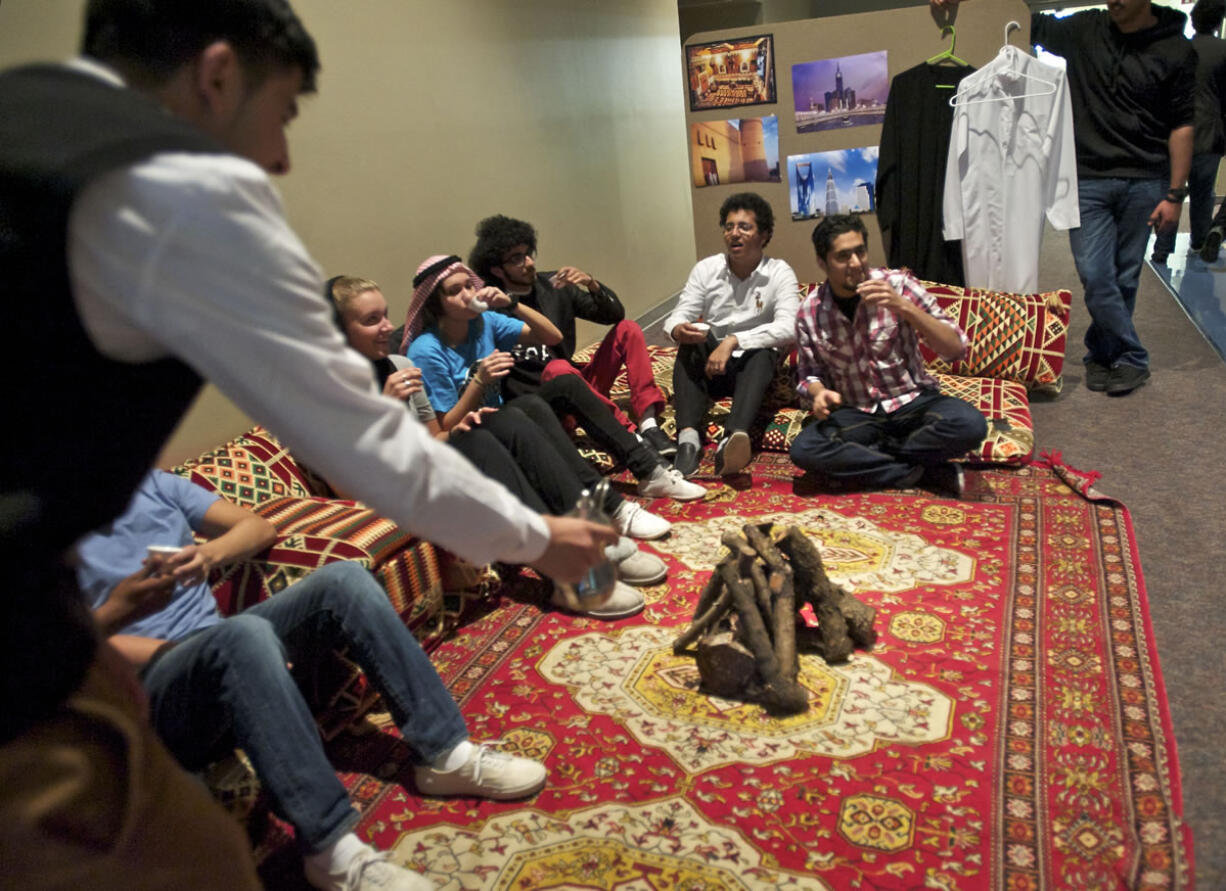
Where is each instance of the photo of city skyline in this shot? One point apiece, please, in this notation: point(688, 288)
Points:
point(825, 183)
point(849, 91)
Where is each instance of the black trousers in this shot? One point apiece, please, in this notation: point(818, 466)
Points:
point(745, 379)
point(523, 446)
point(569, 394)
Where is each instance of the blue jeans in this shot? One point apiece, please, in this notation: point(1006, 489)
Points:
point(1201, 181)
point(1109, 250)
point(229, 685)
point(879, 449)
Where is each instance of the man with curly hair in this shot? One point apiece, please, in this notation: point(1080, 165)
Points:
point(505, 256)
point(733, 322)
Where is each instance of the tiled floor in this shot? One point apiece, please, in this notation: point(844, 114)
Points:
point(1199, 287)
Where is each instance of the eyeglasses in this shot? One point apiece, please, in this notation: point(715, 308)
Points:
point(517, 259)
point(746, 228)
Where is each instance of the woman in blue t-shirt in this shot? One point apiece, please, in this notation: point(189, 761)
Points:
point(530, 454)
point(463, 352)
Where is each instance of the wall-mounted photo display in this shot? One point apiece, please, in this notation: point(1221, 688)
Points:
point(824, 183)
point(738, 71)
point(849, 91)
point(744, 150)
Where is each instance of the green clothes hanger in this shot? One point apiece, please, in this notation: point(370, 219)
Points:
point(947, 57)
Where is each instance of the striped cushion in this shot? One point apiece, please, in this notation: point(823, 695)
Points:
point(1016, 337)
point(250, 470)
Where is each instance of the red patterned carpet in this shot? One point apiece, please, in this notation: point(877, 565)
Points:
point(1008, 731)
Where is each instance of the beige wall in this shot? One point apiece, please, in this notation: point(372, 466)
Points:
point(909, 35)
point(431, 115)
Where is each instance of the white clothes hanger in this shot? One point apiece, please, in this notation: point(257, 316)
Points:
point(1044, 87)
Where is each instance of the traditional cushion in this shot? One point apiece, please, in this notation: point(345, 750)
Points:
point(1016, 337)
point(1004, 403)
point(1006, 406)
point(313, 532)
point(250, 470)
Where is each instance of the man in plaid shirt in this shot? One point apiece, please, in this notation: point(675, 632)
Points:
point(879, 419)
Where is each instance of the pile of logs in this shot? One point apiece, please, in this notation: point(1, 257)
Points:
point(746, 623)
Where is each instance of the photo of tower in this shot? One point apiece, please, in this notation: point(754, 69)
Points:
point(850, 91)
point(744, 150)
point(832, 194)
point(850, 178)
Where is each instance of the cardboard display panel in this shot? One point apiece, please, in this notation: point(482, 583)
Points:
point(838, 115)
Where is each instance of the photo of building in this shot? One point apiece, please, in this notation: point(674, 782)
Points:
point(845, 92)
point(735, 151)
point(731, 72)
point(846, 181)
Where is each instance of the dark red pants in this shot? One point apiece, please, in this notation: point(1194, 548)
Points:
point(624, 346)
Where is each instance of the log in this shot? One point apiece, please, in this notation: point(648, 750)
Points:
point(785, 625)
point(724, 664)
point(815, 586)
point(761, 543)
point(713, 612)
point(780, 693)
point(712, 590)
point(762, 591)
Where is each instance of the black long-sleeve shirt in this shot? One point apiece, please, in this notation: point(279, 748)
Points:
point(1128, 91)
point(562, 306)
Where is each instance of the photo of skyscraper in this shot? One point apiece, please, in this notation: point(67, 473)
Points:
point(824, 183)
point(849, 91)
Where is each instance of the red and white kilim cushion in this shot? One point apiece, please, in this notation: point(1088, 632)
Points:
point(1004, 403)
point(1017, 337)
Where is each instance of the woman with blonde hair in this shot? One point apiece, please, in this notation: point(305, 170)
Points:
point(522, 445)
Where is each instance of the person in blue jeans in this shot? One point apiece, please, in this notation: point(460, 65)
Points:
point(878, 416)
point(1209, 132)
point(214, 683)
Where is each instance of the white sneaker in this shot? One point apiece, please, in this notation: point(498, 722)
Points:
point(623, 601)
point(487, 774)
point(632, 519)
point(635, 567)
point(667, 482)
point(369, 870)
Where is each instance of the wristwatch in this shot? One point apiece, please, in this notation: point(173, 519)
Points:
point(1177, 194)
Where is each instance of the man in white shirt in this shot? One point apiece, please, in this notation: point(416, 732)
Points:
point(733, 321)
point(137, 236)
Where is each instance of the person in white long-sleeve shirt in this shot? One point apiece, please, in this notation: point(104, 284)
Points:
point(137, 222)
point(734, 320)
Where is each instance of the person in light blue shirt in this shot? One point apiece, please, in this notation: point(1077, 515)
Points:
point(215, 683)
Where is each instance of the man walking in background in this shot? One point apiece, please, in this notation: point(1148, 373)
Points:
point(1209, 139)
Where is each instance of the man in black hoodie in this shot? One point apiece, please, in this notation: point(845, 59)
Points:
point(1210, 138)
point(1131, 76)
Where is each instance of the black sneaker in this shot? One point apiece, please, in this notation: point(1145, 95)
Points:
point(687, 458)
point(1213, 243)
point(945, 478)
point(733, 454)
point(1156, 257)
point(1125, 378)
point(658, 440)
point(1096, 376)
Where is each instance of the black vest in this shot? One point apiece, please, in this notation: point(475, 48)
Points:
point(81, 429)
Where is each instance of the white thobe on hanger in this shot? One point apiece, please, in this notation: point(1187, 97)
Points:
point(1011, 161)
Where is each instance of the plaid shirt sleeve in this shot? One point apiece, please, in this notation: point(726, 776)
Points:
point(809, 367)
point(914, 291)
